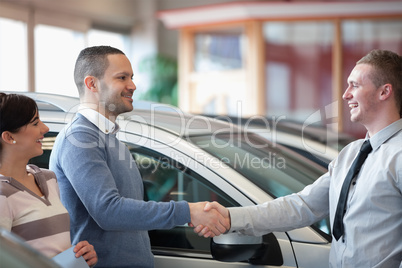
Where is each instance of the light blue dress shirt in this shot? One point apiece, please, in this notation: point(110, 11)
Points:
point(373, 218)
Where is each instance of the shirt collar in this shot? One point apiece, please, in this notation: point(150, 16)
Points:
point(104, 124)
point(384, 134)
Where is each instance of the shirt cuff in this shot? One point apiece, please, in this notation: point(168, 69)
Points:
point(237, 218)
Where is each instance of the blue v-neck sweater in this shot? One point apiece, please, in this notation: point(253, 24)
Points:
point(102, 189)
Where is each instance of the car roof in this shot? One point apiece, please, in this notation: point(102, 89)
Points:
point(180, 123)
point(313, 132)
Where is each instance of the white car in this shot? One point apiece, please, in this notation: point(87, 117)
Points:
point(195, 158)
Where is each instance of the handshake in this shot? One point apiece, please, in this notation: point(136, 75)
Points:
point(209, 219)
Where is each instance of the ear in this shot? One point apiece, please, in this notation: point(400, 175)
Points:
point(90, 83)
point(7, 137)
point(386, 91)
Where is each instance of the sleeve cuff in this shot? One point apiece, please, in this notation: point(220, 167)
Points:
point(237, 218)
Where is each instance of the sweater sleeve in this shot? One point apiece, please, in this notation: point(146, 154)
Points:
point(108, 186)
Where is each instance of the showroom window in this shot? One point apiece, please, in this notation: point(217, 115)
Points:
point(298, 63)
point(13, 55)
point(218, 70)
point(97, 37)
point(56, 50)
point(366, 35)
point(219, 50)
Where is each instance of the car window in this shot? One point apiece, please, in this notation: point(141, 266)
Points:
point(165, 179)
point(276, 170)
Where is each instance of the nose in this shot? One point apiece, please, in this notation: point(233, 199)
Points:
point(132, 86)
point(347, 95)
point(45, 129)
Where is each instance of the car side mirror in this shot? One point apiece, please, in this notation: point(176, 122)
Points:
point(233, 247)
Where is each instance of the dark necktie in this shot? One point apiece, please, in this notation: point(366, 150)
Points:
point(353, 171)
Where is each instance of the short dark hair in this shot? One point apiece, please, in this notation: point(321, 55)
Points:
point(16, 111)
point(92, 61)
point(387, 69)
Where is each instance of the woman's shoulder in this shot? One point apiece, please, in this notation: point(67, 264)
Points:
point(43, 172)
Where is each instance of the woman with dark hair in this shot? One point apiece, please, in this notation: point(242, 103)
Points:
point(30, 203)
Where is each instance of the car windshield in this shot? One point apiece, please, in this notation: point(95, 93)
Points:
point(276, 170)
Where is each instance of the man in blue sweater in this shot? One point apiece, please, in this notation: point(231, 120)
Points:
point(99, 187)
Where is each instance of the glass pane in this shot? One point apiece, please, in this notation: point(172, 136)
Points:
point(165, 180)
point(219, 50)
point(359, 37)
point(117, 40)
point(278, 172)
point(56, 50)
point(298, 67)
point(13, 55)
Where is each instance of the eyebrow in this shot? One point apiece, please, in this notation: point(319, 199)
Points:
point(125, 73)
point(34, 119)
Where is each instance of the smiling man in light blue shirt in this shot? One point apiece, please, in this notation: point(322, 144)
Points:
point(372, 220)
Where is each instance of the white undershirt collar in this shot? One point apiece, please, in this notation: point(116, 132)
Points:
point(104, 124)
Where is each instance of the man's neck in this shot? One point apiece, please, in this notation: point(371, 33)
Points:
point(381, 123)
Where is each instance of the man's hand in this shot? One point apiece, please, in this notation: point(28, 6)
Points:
point(205, 230)
point(214, 222)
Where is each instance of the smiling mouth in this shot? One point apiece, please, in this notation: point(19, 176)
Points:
point(352, 106)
